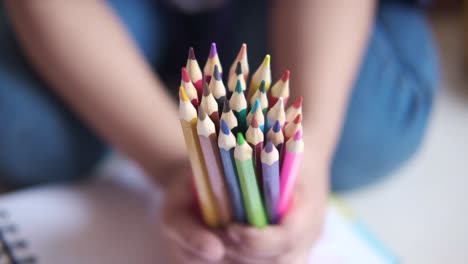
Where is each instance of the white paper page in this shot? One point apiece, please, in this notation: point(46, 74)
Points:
point(114, 220)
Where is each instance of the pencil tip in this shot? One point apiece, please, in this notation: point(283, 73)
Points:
point(224, 127)
point(298, 103)
point(242, 52)
point(183, 95)
point(298, 135)
point(285, 76)
point(261, 88)
point(213, 50)
point(298, 119)
point(254, 122)
point(240, 139)
point(226, 106)
point(206, 90)
point(239, 87)
point(191, 54)
point(277, 127)
point(269, 146)
point(239, 68)
point(185, 75)
point(256, 106)
point(201, 114)
point(266, 61)
point(216, 74)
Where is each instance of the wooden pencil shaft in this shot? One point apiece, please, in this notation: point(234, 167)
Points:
point(252, 200)
point(200, 175)
point(216, 177)
point(271, 190)
point(233, 185)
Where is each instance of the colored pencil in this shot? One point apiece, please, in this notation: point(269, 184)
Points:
point(209, 146)
point(189, 88)
point(280, 89)
point(262, 96)
point(238, 105)
point(210, 106)
point(248, 181)
point(237, 76)
point(271, 181)
point(257, 112)
point(229, 117)
point(275, 135)
point(294, 109)
point(244, 64)
point(263, 73)
point(294, 151)
point(217, 88)
point(254, 137)
point(291, 128)
point(188, 121)
point(213, 59)
point(194, 72)
point(276, 113)
point(226, 144)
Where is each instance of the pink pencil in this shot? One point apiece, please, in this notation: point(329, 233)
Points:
point(292, 159)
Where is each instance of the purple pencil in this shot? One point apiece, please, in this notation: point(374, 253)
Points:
point(271, 181)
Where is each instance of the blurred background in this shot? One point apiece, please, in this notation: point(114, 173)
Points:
point(420, 213)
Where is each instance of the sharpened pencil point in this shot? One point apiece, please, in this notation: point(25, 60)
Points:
point(216, 74)
point(298, 103)
point(191, 54)
point(285, 76)
point(224, 127)
point(183, 95)
point(277, 127)
point(242, 52)
point(254, 122)
point(240, 139)
point(239, 68)
point(255, 106)
point(201, 114)
point(269, 147)
point(213, 50)
point(266, 61)
point(185, 75)
point(206, 90)
point(262, 87)
point(298, 135)
point(226, 106)
point(239, 87)
point(298, 119)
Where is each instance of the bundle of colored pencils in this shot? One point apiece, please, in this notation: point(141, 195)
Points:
point(245, 149)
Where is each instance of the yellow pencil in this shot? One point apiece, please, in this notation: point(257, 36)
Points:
point(263, 73)
point(188, 121)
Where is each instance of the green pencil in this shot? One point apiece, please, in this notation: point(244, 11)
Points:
point(256, 215)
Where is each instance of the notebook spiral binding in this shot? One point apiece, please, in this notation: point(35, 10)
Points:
point(13, 249)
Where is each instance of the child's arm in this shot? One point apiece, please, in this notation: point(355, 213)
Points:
point(86, 55)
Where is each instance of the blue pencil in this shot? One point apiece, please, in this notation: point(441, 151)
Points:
point(271, 181)
point(226, 144)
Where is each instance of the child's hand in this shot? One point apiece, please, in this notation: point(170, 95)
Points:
point(290, 242)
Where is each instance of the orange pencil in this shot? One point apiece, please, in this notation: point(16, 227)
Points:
point(188, 122)
point(244, 64)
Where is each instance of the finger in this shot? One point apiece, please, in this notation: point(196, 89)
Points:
point(184, 229)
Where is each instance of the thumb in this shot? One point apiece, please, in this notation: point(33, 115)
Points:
point(187, 233)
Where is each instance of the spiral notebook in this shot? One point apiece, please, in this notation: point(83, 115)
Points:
point(114, 220)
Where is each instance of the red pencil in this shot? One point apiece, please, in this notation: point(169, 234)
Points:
point(189, 89)
point(294, 109)
point(291, 128)
point(280, 89)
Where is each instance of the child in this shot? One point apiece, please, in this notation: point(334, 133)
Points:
point(367, 71)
